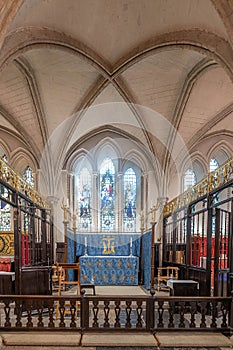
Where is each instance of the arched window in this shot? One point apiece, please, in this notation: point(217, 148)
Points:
point(129, 184)
point(213, 164)
point(103, 204)
point(5, 211)
point(189, 179)
point(28, 176)
point(84, 200)
point(107, 195)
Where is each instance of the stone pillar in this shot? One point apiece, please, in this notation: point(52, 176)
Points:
point(95, 202)
point(71, 190)
point(55, 209)
point(119, 203)
point(144, 197)
point(159, 229)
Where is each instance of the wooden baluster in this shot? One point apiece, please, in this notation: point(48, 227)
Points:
point(214, 314)
point(73, 311)
point(62, 313)
point(193, 305)
point(139, 314)
point(106, 314)
point(224, 308)
point(7, 310)
point(40, 316)
point(171, 314)
point(128, 311)
point(29, 316)
point(160, 312)
point(95, 310)
point(182, 308)
point(117, 323)
point(203, 314)
point(18, 311)
point(51, 314)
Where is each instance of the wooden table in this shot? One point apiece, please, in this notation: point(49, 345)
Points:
point(183, 287)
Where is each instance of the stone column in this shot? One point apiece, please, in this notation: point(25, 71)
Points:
point(159, 229)
point(119, 203)
point(95, 202)
point(55, 210)
point(144, 197)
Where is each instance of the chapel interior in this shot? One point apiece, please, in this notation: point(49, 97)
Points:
point(116, 145)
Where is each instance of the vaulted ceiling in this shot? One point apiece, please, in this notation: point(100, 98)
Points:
point(59, 57)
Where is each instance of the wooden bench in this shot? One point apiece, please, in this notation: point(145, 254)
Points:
point(164, 273)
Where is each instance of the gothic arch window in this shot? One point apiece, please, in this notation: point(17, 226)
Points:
point(130, 190)
point(189, 179)
point(107, 195)
point(84, 199)
point(213, 164)
point(28, 176)
point(5, 211)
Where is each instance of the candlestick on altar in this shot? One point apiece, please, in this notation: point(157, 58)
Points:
point(131, 246)
point(85, 244)
point(142, 221)
point(153, 213)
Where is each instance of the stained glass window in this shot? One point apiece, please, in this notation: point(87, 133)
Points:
point(84, 199)
point(28, 176)
point(129, 183)
point(5, 212)
point(213, 166)
point(107, 195)
point(189, 179)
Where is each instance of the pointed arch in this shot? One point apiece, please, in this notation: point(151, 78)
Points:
point(220, 152)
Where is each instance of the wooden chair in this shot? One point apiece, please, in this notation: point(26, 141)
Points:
point(64, 283)
point(164, 273)
point(57, 273)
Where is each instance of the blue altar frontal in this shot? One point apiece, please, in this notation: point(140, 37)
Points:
point(109, 270)
point(108, 259)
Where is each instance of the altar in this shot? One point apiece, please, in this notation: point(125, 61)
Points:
point(109, 270)
point(108, 259)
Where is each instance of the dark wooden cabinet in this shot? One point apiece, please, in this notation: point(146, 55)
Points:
point(183, 288)
point(7, 282)
point(36, 280)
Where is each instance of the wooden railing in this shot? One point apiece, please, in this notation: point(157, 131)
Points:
point(116, 313)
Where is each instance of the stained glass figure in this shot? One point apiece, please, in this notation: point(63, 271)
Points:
point(107, 195)
point(84, 200)
point(28, 176)
point(129, 183)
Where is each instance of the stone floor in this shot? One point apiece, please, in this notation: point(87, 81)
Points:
point(116, 341)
